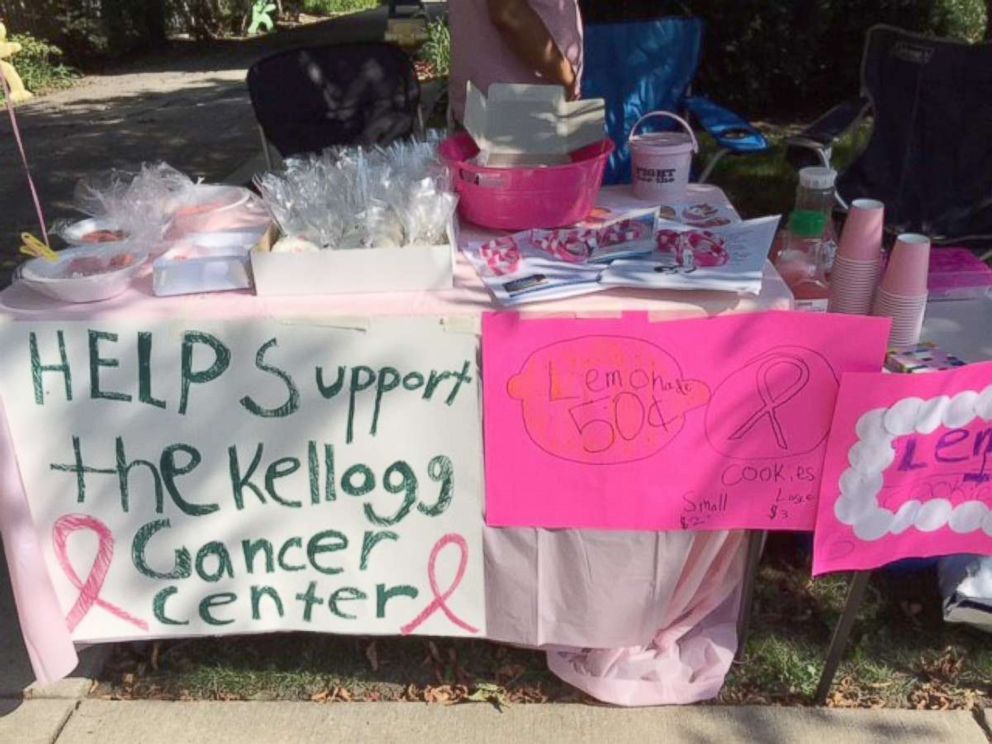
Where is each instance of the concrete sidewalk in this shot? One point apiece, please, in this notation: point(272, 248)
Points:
point(105, 722)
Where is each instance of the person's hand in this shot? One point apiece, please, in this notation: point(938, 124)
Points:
point(570, 82)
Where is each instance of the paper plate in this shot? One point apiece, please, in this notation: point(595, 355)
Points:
point(56, 279)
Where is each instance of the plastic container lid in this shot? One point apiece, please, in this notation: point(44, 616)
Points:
point(672, 143)
point(817, 177)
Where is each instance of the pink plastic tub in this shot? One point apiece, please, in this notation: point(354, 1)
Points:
point(521, 198)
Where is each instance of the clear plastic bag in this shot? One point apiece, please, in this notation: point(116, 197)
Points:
point(138, 204)
point(395, 196)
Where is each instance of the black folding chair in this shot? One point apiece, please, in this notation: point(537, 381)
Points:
point(308, 99)
point(930, 153)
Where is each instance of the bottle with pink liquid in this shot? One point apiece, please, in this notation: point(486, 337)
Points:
point(807, 247)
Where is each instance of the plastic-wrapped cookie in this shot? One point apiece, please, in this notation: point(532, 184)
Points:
point(292, 244)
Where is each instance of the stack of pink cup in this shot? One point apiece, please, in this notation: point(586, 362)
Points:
point(902, 294)
point(856, 266)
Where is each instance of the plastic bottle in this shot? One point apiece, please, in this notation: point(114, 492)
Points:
point(810, 242)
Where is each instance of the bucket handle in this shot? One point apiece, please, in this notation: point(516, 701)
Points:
point(679, 119)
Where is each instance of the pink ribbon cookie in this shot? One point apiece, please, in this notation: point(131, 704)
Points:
point(707, 249)
point(502, 255)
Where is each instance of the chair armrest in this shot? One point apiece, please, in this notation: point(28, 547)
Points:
point(832, 125)
point(727, 128)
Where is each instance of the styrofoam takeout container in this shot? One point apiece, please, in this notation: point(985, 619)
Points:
point(211, 262)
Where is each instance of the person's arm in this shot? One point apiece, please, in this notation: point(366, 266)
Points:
point(524, 32)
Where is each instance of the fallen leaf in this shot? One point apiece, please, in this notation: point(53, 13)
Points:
point(438, 694)
point(486, 692)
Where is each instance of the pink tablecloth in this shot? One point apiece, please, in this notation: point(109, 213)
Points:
point(632, 618)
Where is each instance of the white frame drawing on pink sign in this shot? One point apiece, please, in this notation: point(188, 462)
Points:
point(874, 452)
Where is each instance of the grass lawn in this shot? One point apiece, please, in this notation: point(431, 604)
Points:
point(902, 655)
point(765, 183)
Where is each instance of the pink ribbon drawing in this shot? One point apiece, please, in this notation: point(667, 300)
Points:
point(89, 592)
point(440, 598)
point(772, 400)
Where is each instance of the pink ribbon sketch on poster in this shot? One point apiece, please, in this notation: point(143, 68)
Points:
point(698, 424)
point(908, 472)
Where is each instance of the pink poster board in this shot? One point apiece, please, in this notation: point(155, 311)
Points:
point(908, 469)
point(628, 424)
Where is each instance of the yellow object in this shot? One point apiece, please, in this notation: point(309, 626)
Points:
point(31, 246)
point(18, 93)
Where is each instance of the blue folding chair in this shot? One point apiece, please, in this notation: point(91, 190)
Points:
point(644, 66)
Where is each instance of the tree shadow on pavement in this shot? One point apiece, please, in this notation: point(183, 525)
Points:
point(188, 106)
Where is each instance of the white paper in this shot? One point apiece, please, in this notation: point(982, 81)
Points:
point(519, 119)
point(520, 268)
point(251, 443)
point(535, 265)
point(746, 245)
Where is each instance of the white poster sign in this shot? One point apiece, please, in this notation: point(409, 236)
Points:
point(239, 477)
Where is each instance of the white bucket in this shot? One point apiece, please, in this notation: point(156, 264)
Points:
point(661, 161)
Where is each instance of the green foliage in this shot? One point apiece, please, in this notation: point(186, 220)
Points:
point(89, 30)
point(436, 51)
point(766, 184)
point(337, 7)
point(204, 19)
point(803, 55)
point(40, 65)
point(961, 19)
